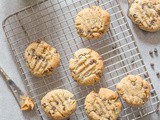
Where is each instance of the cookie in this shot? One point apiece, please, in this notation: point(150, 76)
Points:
point(41, 58)
point(134, 90)
point(27, 103)
point(103, 105)
point(86, 67)
point(146, 14)
point(58, 104)
point(92, 23)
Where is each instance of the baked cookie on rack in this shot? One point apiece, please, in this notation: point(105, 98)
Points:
point(41, 58)
point(58, 104)
point(146, 14)
point(134, 90)
point(86, 67)
point(92, 23)
point(103, 105)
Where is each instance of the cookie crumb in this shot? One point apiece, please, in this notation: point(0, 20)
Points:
point(151, 53)
point(27, 103)
point(152, 65)
point(152, 93)
point(158, 75)
point(114, 46)
point(156, 51)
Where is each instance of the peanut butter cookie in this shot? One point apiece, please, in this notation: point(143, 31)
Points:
point(86, 67)
point(58, 104)
point(103, 105)
point(41, 58)
point(146, 14)
point(92, 23)
point(134, 90)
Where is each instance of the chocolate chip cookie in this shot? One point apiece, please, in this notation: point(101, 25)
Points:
point(146, 14)
point(41, 58)
point(103, 105)
point(92, 23)
point(86, 67)
point(134, 90)
point(58, 104)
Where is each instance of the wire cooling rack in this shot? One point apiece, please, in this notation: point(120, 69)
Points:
point(53, 22)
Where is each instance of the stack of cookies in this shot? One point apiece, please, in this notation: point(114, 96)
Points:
point(86, 69)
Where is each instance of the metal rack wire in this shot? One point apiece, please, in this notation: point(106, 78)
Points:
point(53, 22)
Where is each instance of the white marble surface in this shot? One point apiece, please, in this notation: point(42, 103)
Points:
point(9, 109)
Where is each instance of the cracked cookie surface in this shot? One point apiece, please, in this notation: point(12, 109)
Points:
point(41, 58)
point(134, 90)
point(58, 104)
point(103, 105)
point(92, 23)
point(86, 67)
point(146, 14)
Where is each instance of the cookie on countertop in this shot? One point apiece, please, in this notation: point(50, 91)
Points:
point(103, 105)
point(92, 23)
point(146, 14)
point(86, 67)
point(58, 104)
point(41, 58)
point(134, 90)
